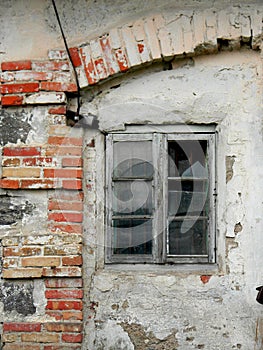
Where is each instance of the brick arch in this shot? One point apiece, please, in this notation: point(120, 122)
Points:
point(130, 46)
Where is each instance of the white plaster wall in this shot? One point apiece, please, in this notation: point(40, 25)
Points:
point(166, 302)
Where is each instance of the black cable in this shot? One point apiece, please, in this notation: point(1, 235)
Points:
point(68, 52)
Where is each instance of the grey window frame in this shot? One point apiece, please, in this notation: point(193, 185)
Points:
point(159, 138)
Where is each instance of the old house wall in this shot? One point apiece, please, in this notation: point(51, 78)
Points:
point(137, 64)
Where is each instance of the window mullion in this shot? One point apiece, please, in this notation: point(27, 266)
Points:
point(159, 159)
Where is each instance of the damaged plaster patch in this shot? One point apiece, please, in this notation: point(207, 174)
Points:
point(14, 126)
point(238, 228)
point(18, 297)
point(13, 209)
point(143, 340)
point(230, 160)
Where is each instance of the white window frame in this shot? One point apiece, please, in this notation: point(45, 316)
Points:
point(160, 135)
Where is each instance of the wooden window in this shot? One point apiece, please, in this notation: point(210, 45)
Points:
point(160, 197)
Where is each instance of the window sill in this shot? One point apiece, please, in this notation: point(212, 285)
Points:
point(169, 269)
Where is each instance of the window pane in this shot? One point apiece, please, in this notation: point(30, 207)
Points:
point(186, 203)
point(132, 236)
point(187, 237)
point(132, 159)
point(132, 198)
point(187, 159)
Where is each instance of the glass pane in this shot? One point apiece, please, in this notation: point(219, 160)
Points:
point(132, 198)
point(132, 236)
point(132, 159)
point(188, 237)
point(186, 203)
point(187, 158)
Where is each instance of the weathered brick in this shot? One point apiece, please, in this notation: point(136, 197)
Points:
point(16, 65)
point(63, 173)
point(64, 294)
point(62, 250)
point(37, 184)
point(122, 59)
point(21, 172)
point(22, 273)
point(57, 54)
point(110, 59)
point(72, 315)
point(72, 260)
point(12, 100)
point(57, 110)
point(7, 183)
point(45, 97)
point(57, 86)
point(21, 346)
point(66, 217)
point(75, 57)
point(63, 140)
point(72, 184)
point(39, 161)
point(72, 162)
point(64, 283)
point(23, 251)
point(11, 162)
point(32, 76)
point(10, 262)
point(6, 77)
point(19, 88)
point(40, 261)
point(40, 338)
point(63, 327)
point(21, 151)
point(59, 205)
point(50, 66)
point(72, 338)
point(66, 228)
point(10, 337)
point(62, 272)
point(22, 327)
point(62, 347)
point(71, 196)
point(64, 305)
point(63, 150)
point(89, 66)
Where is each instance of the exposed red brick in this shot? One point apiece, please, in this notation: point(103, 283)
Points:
point(57, 86)
point(72, 162)
point(21, 346)
point(64, 294)
point(62, 347)
point(72, 315)
point(66, 217)
point(75, 57)
point(90, 69)
point(62, 140)
point(19, 88)
point(205, 278)
point(72, 184)
point(22, 327)
point(63, 173)
point(64, 305)
point(64, 283)
point(63, 150)
point(58, 110)
point(16, 65)
point(72, 260)
point(72, 338)
point(59, 205)
point(12, 100)
point(24, 251)
point(21, 151)
point(7, 183)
